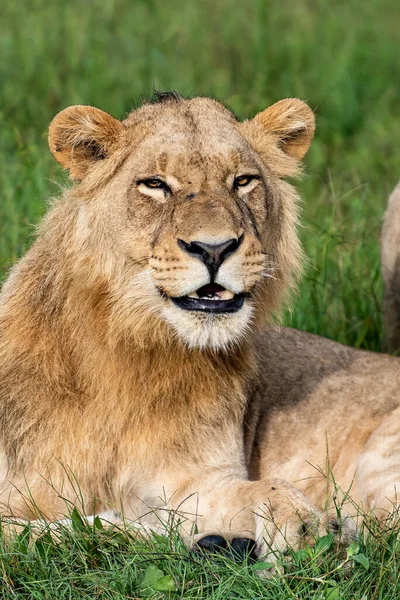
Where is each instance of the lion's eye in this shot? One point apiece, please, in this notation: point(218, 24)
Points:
point(155, 184)
point(243, 180)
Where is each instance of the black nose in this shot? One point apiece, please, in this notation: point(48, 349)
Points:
point(212, 255)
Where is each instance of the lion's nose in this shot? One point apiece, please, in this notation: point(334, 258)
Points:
point(212, 255)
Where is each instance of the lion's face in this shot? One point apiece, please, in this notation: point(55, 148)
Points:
point(191, 211)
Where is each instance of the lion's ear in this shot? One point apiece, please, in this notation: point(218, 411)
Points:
point(292, 123)
point(281, 135)
point(81, 135)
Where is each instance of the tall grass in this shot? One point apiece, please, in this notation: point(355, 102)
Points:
point(342, 57)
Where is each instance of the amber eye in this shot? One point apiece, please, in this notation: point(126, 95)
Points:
point(155, 184)
point(243, 180)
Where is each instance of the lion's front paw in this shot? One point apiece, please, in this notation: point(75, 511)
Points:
point(343, 528)
point(290, 520)
point(231, 545)
point(275, 536)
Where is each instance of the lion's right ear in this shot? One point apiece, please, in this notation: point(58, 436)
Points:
point(79, 136)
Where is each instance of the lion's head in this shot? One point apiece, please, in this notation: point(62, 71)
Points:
point(182, 212)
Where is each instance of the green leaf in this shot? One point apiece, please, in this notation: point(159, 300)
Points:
point(352, 549)
point(362, 559)
point(97, 523)
point(45, 544)
point(261, 566)
point(324, 543)
point(118, 539)
point(302, 554)
point(155, 579)
point(24, 539)
point(151, 575)
point(332, 593)
point(25, 533)
point(165, 584)
point(77, 521)
point(159, 537)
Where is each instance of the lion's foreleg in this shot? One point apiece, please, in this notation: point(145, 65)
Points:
point(272, 512)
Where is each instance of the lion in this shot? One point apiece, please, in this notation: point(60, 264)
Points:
point(326, 415)
point(129, 332)
point(390, 265)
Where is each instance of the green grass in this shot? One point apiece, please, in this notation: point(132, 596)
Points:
point(92, 563)
point(339, 56)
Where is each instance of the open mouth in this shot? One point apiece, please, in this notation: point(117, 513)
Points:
point(211, 298)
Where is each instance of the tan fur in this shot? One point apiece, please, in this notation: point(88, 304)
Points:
point(112, 396)
point(390, 262)
point(328, 415)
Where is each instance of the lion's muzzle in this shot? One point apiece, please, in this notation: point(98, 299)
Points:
point(212, 297)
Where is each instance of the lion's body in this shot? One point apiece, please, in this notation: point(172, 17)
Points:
point(113, 394)
point(390, 264)
point(328, 415)
point(328, 412)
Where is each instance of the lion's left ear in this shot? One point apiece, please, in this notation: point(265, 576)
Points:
point(292, 122)
point(80, 136)
point(282, 134)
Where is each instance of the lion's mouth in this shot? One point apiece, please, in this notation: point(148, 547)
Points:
point(211, 298)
